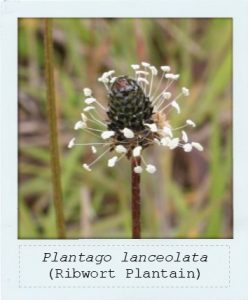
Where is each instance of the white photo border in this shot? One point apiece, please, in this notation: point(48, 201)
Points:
point(10, 12)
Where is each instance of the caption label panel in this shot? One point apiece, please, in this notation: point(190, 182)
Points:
point(124, 266)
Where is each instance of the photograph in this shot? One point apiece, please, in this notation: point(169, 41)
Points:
point(125, 128)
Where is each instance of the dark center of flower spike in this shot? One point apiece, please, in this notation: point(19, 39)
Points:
point(128, 106)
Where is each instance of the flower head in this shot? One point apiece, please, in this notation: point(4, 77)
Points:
point(136, 116)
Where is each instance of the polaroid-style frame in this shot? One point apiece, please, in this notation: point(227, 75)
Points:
point(29, 267)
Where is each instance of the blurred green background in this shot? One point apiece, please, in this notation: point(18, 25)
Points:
point(191, 194)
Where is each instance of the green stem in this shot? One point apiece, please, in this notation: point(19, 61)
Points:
point(53, 131)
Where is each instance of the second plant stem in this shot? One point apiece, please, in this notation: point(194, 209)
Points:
point(53, 130)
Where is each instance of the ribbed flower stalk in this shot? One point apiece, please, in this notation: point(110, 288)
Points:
point(136, 222)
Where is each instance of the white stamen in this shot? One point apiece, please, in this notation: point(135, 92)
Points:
point(137, 151)
point(71, 143)
point(185, 91)
point(174, 143)
point(165, 68)
point(107, 134)
point(167, 130)
point(90, 100)
point(135, 67)
point(84, 117)
point(113, 79)
point(93, 149)
point(87, 167)
point(165, 141)
point(197, 146)
point(191, 123)
point(120, 149)
point(166, 95)
point(142, 73)
point(187, 147)
point(87, 92)
point(140, 79)
point(169, 76)
point(151, 169)
point(128, 133)
point(110, 73)
point(156, 141)
point(145, 64)
point(153, 127)
point(112, 161)
point(172, 76)
point(184, 136)
point(88, 108)
point(176, 106)
point(80, 125)
point(138, 169)
point(153, 70)
point(103, 79)
point(176, 76)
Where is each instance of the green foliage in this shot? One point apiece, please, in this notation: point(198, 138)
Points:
point(190, 196)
